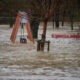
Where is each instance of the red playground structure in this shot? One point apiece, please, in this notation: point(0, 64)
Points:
point(65, 36)
point(22, 18)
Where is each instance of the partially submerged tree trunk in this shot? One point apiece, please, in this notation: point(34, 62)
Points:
point(44, 27)
point(57, 21)
point(46, 9)
point(63, 16)
point(34, 27)
point(72, 24)
point(53, 23)
point(71, 19)
point(44, 34)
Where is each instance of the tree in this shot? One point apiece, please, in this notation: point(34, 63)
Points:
point(68, 9)
point(72, 11)
point(46, 9)
point(11, 7)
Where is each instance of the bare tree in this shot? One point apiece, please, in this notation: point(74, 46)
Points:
point(46, 9)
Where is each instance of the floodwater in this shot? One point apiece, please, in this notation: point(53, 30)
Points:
point(23, 62)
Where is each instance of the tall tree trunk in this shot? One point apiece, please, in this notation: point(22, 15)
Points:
point(44, 34)
point(53, 23)
point(71, 24)
point(62, 22)
point(57, 21)
point(71, 19)
point(44, 27)
point(34, 27)
point(63, 16)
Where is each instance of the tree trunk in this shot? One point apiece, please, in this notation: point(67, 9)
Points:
point(44, 27)
point(34, 27)
point(57, 21)
point(53, 23)
point(57, 24)
point(63, 21)
point(43, 34)
point(71, 19)
point(71, 24)
point(63, 16)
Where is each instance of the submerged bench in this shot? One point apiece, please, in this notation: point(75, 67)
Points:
point(41, 43)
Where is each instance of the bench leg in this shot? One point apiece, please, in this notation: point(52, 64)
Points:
point(48, 46)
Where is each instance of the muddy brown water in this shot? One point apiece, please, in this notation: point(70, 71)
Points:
point(23, 62)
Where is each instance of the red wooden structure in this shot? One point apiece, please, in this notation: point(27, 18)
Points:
point(65, 36)
point(17, 25)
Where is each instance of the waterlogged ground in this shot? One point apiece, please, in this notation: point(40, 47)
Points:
point(23, 62)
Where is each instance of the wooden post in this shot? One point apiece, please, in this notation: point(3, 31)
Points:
point(48, 46)
point(38, 45)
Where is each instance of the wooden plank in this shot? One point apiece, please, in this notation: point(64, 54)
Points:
point(15, 28)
